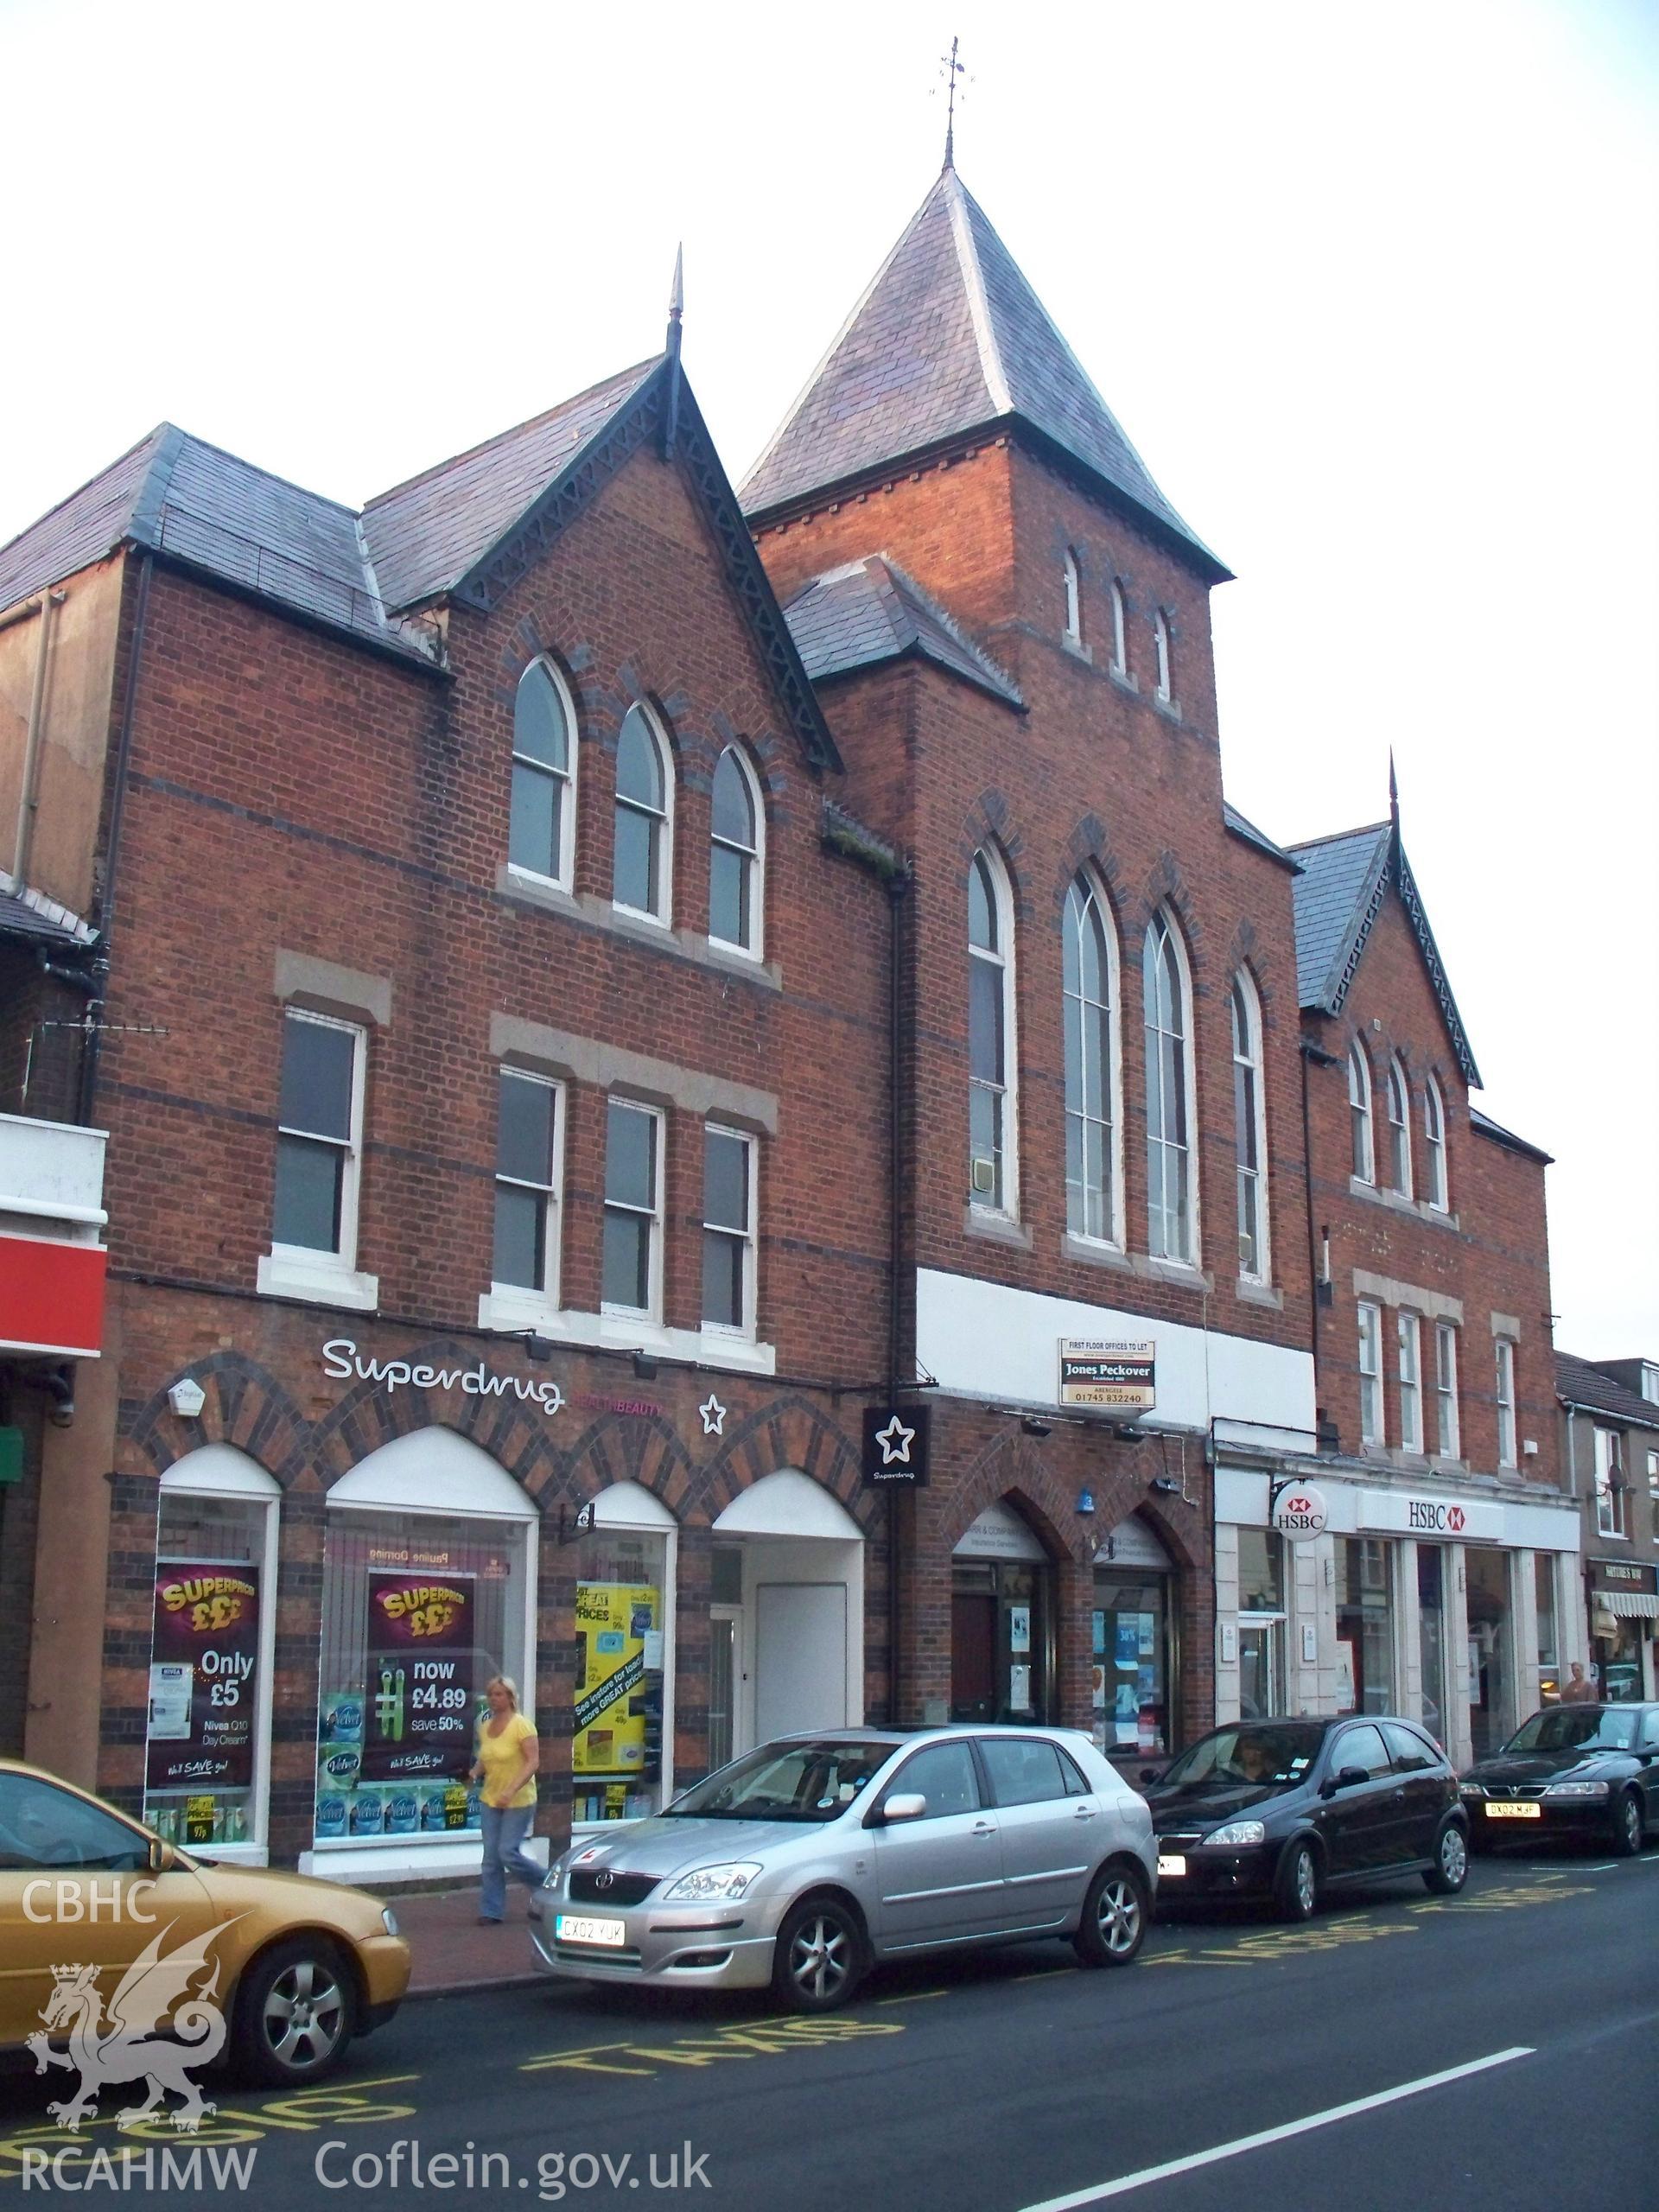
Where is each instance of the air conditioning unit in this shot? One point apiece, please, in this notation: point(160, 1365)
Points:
point(984, 1178)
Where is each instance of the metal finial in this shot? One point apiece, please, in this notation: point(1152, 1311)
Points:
point(1394, 795)
point(677, 300)
point(950, 69)
point(675, 310)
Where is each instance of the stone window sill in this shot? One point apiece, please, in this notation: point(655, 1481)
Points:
point(287, 1275)
point(1250, 1292)
point(996, 1227)
point(524, 890)
point(519, 1314)
point(1420, 1209)
point(1094, 1254)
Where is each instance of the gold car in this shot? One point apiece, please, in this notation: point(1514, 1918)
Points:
point(107, 1932)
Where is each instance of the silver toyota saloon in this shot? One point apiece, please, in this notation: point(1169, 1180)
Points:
point(802, 1863)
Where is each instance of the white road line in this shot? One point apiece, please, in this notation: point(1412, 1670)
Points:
point(1126, 2182)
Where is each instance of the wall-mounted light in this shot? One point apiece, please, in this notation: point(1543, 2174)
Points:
point(1085, 1501)
point(1033, 1426)
point(1167, 1485)
point(539, 1347)
point(645, 1367)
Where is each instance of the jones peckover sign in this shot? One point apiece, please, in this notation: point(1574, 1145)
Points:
point(1120, 1373)
point(201, 1674)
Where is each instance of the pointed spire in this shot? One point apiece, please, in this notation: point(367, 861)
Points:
point(677, 300)
point(1393, 798)
point(675, 310)
point(950, 69)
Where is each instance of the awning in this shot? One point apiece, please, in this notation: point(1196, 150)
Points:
point(1626, 1604)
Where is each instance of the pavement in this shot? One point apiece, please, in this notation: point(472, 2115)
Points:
point(450, 1953)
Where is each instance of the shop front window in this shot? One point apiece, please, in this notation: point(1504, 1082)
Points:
point(1492, 1668)
point(1261, 1619)
point(623, 1602)
point(419, 1611)
point(209, 1669)
point(1431, 1637)
point(1131, 1663)
point(1550, 1658)
point(1364, 1626)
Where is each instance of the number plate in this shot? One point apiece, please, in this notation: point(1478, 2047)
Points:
point(571, 1927)
point(1523, 1812)
point(1171, 1863)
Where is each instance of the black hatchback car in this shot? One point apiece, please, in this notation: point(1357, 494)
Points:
point(1588, 1771)
point(1287, 1809)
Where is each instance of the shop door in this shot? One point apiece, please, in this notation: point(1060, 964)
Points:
point(800, 1657)
point(723, 1621)
point(973, 1655)
point(1491, 1670)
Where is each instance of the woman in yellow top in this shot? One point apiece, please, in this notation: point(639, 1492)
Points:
point(507, 1757)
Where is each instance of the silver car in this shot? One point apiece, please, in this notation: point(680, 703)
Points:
point(802, 1863)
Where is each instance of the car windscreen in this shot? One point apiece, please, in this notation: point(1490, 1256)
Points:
point(799, 1781)
point(1575, 1728)
point(1270, 1758)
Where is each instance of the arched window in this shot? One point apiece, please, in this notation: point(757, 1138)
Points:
point(1399, 1129)
point(1120, 633)
point(735, 881)
point(1073, 601)
point(1168, 1009)
point(541, 828)
point(1434, 1146)
point(1160, 643)
point(644, 795)
point(991, 1057)
point(1089, 967)
point(1359, 1113)
point(1249, 1130)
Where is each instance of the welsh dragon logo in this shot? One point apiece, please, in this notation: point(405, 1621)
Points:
point(129, 2044)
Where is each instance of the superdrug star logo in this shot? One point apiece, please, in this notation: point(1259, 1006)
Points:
point(895, 1444)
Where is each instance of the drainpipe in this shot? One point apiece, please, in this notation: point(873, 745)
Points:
point(29, 800)
point(89, 1065)
point(897, 886)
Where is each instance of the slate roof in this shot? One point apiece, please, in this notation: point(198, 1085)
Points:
point(31, 916)
point(1578, 1383)
point(870, 611)
point(426, 535)
point(1240, 827)
point(949, 337)
point(1487, 1127)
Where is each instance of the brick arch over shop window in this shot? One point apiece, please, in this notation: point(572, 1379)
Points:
point(1182, 1554)
point(792, 1433)
point(1009, 1468)
point(369, 1415)
point(243, 1405)
point(641, 1448)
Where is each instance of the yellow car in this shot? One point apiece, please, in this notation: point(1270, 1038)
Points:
point(107, 1934)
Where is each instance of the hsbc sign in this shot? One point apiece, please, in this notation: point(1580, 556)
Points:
point(1433, 1518)
point(1299, 1512)
point(1412, 1514)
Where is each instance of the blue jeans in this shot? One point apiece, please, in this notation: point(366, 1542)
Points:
point(505, 1830)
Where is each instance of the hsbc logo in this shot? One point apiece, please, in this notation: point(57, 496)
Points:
point(1431, 1518)
point(1299, 1511)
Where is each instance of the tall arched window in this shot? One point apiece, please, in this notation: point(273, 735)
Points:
point(1434, 1146)
point(1168, 1009)
point(991, 1056)
point(1161, 645)
point(1399, 1129)
point(1249, 1130)
point(735, 881)
point(541, 827)
point(645, 817)
point(1073, 601)
point(1120, 633)
point(1089, 967)
point(1359, 1113)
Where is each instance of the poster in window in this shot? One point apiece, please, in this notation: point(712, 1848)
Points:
point(1347, 1676)
point(419, 1716)
point(203, 1664)
point(1018, 1628)
point(619, 1711)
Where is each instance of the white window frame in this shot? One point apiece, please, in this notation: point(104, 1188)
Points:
point(1398, 1095)
point(1362, 1139)
point(1373, 1420)
point(1503, 1360)
point(1190, 1246)
point(754, 854)
point(1439, 1181)
point(1611, 1489)
point(302, 1270)
point(1088, 890)
point(1247, 1065)
point(1448, 1427)
point(1005, 1202)
point(1165, 685)
point(566, 856)
point(662, 913)
point(1408, 1338)
point(1073, 600)
point(546, 1293)
point(1120, 631)
point(745, 1329)
point(652, 1310)
point(1653, 1480)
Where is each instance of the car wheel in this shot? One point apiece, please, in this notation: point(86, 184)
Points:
point(296, 2012)
point(819, 1959)
point(1114, 1916)
point(1627, 1825)
point(1451, 1868)
point(1296, 1890)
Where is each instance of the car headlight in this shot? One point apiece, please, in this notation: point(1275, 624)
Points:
point(707, 1883)
point(1576, 1790)
point(388, 1920)
point(1238, 1831)
point(1470, 1789)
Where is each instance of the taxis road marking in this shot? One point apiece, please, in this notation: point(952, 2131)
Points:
point(765, 2039)
point(1287, 1943)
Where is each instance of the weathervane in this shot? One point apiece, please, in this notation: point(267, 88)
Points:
point(950, 69)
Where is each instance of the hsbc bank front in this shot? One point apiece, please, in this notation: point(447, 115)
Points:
point(1347, 1589)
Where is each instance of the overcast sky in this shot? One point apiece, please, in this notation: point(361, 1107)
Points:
point(1373, 291)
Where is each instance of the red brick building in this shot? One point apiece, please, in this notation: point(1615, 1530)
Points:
point(628, 1025)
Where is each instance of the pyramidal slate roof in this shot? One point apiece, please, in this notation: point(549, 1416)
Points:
point(870, 611)
point(1338, 894)
point(949, 337)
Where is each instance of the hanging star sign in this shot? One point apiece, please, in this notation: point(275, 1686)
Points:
point(714, 1416)
point(895, 1440)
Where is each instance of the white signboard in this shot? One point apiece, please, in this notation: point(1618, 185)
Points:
point(1415, 1513)
point(1117, 1372)
point(1300, 1512)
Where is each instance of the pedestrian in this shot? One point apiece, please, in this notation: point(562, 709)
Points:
point(1575, 1690)
point(508, 1756)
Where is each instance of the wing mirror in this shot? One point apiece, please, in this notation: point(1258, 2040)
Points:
point(904, 1805)
point(162, 1857)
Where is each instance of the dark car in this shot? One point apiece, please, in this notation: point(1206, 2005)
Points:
point(1589, 1771)
point(1287, 1809)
